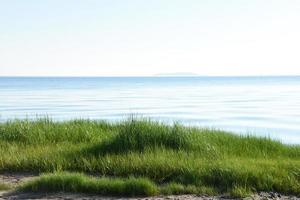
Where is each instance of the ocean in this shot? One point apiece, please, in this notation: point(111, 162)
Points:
point(263, 106)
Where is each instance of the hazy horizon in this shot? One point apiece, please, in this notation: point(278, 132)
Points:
point(145, 76)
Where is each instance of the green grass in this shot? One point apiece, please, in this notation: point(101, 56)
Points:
point(240, 191)
point(79, 183)
point(4, 186)
point(137, 136)
point(174, 157)
point(177, 189)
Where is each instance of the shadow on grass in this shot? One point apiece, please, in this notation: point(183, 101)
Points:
point(139, 135)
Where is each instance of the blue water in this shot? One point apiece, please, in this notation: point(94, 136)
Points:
point(265, 106)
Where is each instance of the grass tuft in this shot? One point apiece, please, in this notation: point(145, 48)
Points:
point(79, 183)
point(4, 186)
point(240, 191)
point(139, 135)
point(177, 189)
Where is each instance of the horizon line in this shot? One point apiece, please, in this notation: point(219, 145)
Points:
point(138, 76)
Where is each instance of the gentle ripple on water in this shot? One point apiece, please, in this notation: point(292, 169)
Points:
point(268, 106)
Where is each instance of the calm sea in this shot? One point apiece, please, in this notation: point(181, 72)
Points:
point(266, 106)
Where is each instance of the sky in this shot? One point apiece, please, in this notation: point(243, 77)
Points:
point(144, 38)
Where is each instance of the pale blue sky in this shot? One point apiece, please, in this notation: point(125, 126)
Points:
point(136, 37)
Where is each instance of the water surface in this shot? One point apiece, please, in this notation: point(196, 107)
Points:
point(266, 106)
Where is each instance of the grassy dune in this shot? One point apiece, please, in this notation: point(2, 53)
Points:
point(167, 159)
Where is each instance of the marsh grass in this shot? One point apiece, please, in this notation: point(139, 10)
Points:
point(46, 131)
point(240, 191)
point(5, 186)
point(137, 136)
point(184, 157)
point(79, 183)
point(178, 189)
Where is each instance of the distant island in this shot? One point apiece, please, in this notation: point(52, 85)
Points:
point(177, 74)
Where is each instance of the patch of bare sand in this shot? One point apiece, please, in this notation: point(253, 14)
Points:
point(15, 178)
